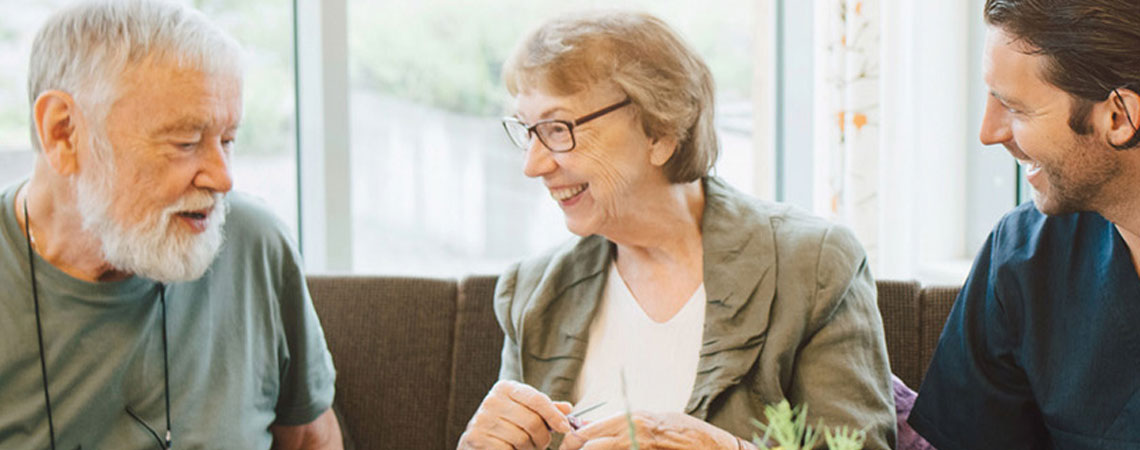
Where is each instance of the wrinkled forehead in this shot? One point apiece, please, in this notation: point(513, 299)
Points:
point(168, 78)
point(157, 91)
point(541, 102)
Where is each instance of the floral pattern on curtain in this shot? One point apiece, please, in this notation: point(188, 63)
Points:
point(846, 143)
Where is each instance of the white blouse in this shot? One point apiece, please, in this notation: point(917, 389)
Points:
point(659, 359)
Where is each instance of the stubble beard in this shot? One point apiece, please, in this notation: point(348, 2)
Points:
point(1080, 180)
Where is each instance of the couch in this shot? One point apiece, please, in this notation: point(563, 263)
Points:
point(415, 356)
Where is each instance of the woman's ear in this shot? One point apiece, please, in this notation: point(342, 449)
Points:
point(1124, 117)
point(661, 149)
point(56, 114)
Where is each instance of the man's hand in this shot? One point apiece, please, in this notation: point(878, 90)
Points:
point(654, 431)
point(515, 416)
point(323, 433)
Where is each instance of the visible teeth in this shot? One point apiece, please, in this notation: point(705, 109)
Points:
point(1030, 167)
point(565, 193)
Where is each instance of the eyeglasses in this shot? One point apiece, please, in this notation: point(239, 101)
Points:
point(557, 135)
point(1123, 105)
point(1131, 142)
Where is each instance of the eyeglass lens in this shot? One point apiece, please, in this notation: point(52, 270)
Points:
point(555, 135)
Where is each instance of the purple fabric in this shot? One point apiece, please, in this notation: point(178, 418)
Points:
point(904, 400)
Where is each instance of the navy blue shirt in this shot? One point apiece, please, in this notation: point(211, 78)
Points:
point(1042, 346)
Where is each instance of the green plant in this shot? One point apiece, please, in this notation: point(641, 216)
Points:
point(629, 416)
point(845, 439)
point(787, 427)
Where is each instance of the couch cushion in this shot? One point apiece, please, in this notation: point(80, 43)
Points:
point(899, 306)
point(936, 302)
point(391, 341)
point(478, 348)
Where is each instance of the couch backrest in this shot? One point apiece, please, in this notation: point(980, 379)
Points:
point(391, 341)
point(479, 344)
point(912, 320)
point(415, 356)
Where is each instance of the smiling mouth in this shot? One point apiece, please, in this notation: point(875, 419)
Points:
point(1030, 167)
point(563, 194)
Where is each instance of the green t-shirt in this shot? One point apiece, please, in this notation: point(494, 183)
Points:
point(246, 349)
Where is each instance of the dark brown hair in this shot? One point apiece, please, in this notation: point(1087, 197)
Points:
point(1090, 47)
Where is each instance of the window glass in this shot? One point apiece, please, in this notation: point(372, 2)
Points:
point(437, 186)
point(265, 155)
point(18, 26)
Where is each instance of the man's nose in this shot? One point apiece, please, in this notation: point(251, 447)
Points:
point(995, 124)
point(214, 172)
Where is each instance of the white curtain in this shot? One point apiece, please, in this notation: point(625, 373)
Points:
point(847, 89)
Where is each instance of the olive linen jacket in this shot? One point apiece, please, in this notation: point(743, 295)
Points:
point(791, 314)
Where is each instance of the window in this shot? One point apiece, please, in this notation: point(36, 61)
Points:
point(404, 169)
point(265, 156)
point(437, 189)
point(939, 190)
point(18, 26)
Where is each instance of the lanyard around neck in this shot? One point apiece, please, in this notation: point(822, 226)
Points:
point(165, 444)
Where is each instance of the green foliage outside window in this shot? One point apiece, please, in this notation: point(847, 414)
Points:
point(441, 53)
point(449, 54)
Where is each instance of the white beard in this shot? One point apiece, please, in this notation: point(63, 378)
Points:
point(156, 248)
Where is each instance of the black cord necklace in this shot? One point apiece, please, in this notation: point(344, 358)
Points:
point(165, 444)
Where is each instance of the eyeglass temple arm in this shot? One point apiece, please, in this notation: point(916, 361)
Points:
point(602, 112)
point(1124, 106)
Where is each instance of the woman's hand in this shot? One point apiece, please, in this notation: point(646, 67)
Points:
point(654, 431)
point(515, 416)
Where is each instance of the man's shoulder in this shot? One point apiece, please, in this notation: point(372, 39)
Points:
point(1026, 234)
point(250, 217)
point(251, 226)
point(1026, 217)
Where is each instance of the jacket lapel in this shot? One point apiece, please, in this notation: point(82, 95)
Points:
point(567, 299)
point(739, 278)
point(740, 284)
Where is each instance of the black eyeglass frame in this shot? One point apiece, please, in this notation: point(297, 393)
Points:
point(1124, 106)
point(1132, 141)
point(570, 125)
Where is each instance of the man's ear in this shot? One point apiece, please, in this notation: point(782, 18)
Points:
point(56, 117)
point(661, 149)
point(1124, 117)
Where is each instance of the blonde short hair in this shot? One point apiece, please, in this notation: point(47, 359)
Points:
point(668, 82)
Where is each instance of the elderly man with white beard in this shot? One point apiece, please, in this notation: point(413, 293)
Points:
point(125, 321)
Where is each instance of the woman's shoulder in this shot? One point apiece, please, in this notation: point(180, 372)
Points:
point(552, 271)
point(571, 254)
point(792, 229)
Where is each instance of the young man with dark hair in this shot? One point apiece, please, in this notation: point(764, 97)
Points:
point(1042, 347)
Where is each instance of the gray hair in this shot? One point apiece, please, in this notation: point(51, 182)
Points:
point(83, 49)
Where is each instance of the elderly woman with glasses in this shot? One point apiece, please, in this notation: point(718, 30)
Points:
point(683, 301)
